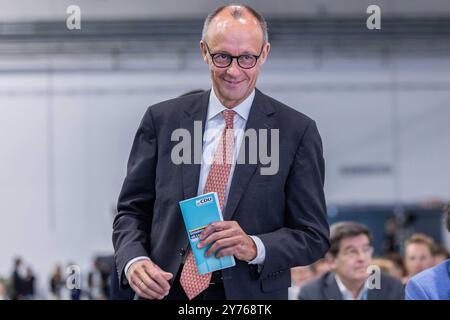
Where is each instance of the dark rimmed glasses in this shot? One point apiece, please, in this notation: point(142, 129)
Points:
point(224, 60)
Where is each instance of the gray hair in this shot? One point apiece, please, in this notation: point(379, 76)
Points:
point(237, 13)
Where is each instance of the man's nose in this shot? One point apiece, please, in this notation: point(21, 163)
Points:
point(363, 256)
point(234, 69)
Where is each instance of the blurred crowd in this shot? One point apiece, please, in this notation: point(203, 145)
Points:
point(421, 253)
point(345, 270)
point(342, 274)
point(63, 283)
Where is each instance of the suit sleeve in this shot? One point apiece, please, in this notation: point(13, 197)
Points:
point(132, 224)
point(305, 237)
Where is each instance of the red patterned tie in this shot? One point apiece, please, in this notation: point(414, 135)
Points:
point(192, 282)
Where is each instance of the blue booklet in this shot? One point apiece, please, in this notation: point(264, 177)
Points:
point(198, 213)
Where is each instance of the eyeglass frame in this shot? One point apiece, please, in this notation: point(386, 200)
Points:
point(212, 55)
point(354, 252)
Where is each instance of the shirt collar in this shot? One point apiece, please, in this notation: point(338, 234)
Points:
point(346, 294)
point(216, 107)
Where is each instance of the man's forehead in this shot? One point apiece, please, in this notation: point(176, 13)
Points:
point(226, 19)
point(224, 23)
point(418, 246)
point(360, 240)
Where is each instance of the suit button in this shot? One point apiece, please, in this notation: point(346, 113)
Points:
point(182, 252)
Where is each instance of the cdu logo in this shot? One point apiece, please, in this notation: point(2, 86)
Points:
point(203, 201)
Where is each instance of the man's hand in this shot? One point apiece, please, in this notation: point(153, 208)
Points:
point(148, 280)
point(229, 239)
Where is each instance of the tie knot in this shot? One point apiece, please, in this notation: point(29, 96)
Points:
point(229, 117)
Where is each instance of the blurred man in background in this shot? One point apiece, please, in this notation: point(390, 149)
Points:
point(350, 256)
point(440, 254)
point(320, 267)
point(30, 283)
point(305, 274)
point(56, 283)
point(18, 280)
point(418, 253)
point(299, 276)
point(3, 293)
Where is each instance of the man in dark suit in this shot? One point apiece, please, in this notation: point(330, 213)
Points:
point(274, 207)
point(351, 277)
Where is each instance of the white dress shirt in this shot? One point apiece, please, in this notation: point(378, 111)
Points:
point(347, 294)
point(215, 125)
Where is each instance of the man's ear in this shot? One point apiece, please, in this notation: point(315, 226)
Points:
point(204, 51)
point(330, 259)
point(265, 53)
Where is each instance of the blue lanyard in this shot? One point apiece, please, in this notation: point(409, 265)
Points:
point(364, 294)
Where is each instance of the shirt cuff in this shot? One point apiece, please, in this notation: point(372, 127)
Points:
point(260, 251)
point(128, 265)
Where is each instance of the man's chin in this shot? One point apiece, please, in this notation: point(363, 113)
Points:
point(234, 96)
point(362, 276)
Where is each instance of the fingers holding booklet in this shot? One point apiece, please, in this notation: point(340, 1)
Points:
point(228, 239)
point(198, 215)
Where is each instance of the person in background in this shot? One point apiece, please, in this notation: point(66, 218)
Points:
point(390, 236)
point(56, 283)
point(96, 282)
point(320, 267)
point(18, 280)
point(29, 284)
point(433, 283)
point(3, 293)
point(72, 279)
point(350, 256)
point(398, 270)
point(304, 274)
point(299, 276)
point(440, 254)
point(388, 267)
point(418, 254)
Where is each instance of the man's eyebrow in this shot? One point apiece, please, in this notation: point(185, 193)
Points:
point(244, 53)
point(221, 51)
point(351, 246)
point(248, 53)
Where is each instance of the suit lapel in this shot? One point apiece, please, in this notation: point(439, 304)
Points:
point(259, 118)
point(331, 289)
point(191, 172)
point(374, 294)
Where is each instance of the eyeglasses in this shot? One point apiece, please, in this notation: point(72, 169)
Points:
point(224, 60)
point(354, 252)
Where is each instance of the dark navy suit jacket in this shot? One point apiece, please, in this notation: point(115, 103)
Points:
point(326, 288)
point(286, 211)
